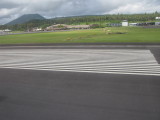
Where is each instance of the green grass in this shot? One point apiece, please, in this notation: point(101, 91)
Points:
point(132, 34)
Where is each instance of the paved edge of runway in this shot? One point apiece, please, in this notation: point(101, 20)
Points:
point(81, 44)
point(156, 53)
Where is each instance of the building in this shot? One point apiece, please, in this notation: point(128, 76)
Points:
point(114, 24)
point(125, 23)
point(157, 23)
point(7, 30)
point(133, 24)
point(1, 32)
point(66, 27)
point(36, 29)
point(78, 26)
point(146, 24)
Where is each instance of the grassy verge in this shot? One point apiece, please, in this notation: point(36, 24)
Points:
point(110, 35)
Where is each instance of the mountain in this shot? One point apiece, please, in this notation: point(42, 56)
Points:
point(26, 18)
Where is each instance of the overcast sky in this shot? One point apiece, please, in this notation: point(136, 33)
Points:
point(11, 9)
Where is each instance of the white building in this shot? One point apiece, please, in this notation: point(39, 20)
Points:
point(125, 23)
point(157, 18)
point(37, 29)
point(7, 30)
point(157, 23)
point(132, 24)
point(1, 32)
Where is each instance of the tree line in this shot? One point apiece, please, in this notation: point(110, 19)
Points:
point(90, 19)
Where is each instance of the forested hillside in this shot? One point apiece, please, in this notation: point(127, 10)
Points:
point(101, 20)
point(26, 18)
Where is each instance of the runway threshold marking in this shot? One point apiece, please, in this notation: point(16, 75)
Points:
point(115, 61)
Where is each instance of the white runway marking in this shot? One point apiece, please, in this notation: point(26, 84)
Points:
point(115, 61)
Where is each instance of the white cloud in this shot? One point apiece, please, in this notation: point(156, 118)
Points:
point(141, 7)
point(9, 9)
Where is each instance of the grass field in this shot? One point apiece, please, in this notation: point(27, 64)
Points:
point(110, 35)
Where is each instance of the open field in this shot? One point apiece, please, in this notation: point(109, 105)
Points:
point(110, 35)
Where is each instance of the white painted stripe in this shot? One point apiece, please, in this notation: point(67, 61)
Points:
point(91, 71)
point(85, 66)
point(140, 62)
point(131, 63)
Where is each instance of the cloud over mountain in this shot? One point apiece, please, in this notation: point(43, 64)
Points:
point(11, 9)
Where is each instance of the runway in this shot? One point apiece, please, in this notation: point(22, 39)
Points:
point(119, 61)
point(79, 84)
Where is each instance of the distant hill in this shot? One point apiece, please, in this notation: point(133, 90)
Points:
point(26, 18)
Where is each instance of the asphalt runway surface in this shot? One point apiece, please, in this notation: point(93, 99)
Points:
point(80, 84)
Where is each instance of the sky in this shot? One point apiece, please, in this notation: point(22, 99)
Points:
point(11, 9)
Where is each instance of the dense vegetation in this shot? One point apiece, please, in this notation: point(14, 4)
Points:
point(26, 18)
point(101, 20)
point(101, 35)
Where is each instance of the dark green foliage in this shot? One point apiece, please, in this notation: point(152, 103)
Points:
point(26, 18)
point(101, 20)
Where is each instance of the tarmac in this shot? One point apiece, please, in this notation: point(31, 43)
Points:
point(30, 94)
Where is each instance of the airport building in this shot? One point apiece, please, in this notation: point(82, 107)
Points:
point(125, 23)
